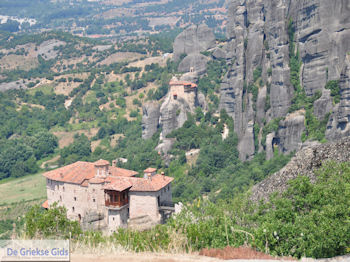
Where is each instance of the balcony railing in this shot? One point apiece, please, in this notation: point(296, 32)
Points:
point(109, 203)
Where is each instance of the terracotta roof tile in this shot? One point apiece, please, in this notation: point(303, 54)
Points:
point(155, 183)
point(74, 173)
point(45, 204)
point(96, 180)
point(79, 171)
point(150, 170)
point(118, 184)
point(117, 171)
point(118, 178)
point(176, 83)
point(85, 183)
point(101, 162)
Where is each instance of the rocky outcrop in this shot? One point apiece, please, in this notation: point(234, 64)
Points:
point(150, 119)
point(93, 220)
point(173, 112)
point(193, 40)
point(323, 105)
point(258, 41)
point(289, 133)
point(339, 123)
point(194, 62)
point(305, 162)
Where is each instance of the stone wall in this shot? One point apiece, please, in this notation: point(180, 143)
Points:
point(144, 204)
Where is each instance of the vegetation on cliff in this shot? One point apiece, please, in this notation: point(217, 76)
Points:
point(307, 220)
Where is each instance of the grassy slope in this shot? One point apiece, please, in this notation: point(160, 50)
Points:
point(24, 188)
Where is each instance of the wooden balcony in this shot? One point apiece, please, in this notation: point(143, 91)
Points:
point(115, 199)
point(109, 203)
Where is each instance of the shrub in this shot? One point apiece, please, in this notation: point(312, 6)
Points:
point(50, 223)
point(333, 85)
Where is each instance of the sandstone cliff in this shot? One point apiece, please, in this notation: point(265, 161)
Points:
point(259, 41)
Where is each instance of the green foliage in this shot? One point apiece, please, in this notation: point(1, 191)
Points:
point(257, 73)
point(209, 84)
point(80, 149)
point(315, 129)
point(256, 136)
point(333, 85)
point(309, 219)
point(252, 88)
point(218, 171)
point(50, 223)
point(270, 127)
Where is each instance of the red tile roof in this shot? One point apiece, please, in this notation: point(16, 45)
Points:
point(118, 178)
point(118, 184)
point(150, 170)
point(74, 173)
point(45, 204)
point(101, 162)
point(96, 180)
point(117, 171)
point(155, 183)
point(177, 83)
point(79, 171)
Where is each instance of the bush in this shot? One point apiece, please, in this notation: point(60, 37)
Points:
point(333, 85)
point(40, 223)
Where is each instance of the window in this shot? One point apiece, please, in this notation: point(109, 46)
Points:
point(63, 188)
point(75, 199)
point(60, 198)
point(73, 209)
point(113, 218)
point(94, 200)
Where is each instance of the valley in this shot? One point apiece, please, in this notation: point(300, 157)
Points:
point(252, 126)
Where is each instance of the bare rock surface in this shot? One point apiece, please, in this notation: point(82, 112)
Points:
point(339, 123)
point(196, 62)
point(150, 119)
point(305, 162)
point(258, 39)
point(194, 39)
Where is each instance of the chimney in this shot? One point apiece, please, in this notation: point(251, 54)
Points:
point(114, 163)
point(61, 175)
point(162, 174)
point(149, 171)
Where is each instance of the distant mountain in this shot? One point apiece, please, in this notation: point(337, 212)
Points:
point(114, 17)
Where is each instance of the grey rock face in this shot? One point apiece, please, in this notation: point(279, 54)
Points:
point(190, 77)
point(339, 123)
point(202, 102)
point(246, 146)
point(304, 163)
point(323, 39)
point(150, 119)
point(194, 62)
point(194, 39)
point(269, 145)
point(290, 131)
point(173, 114)
point(323, 105)
point(258, 38)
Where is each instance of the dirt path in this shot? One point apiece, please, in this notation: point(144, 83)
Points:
point(158, 257)
point(143, 257)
